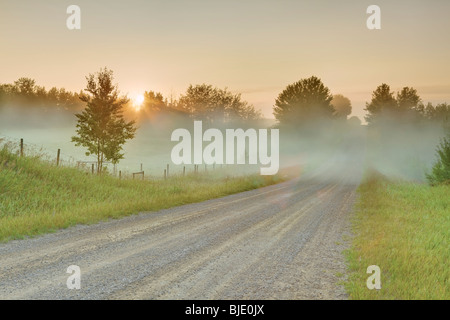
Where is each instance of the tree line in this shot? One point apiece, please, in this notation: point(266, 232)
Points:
point(25, 92)
point(298, 104)
point(204, 102)
point(405, 106)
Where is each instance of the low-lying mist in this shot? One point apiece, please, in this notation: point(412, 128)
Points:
point(337, 149)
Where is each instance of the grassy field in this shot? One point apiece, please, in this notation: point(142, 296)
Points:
point(403, 228)
point(38, 197)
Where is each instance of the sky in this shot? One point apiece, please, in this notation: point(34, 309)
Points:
point(255, 48)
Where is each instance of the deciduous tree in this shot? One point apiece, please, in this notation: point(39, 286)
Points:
point(303, 102)
point(101, 127)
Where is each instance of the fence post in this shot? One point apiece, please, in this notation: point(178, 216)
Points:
point(184, 170)
point(165, 174)
point(57, 157)
point(141, 167)
point(120, 174)
point(142, 175)
point(92, 168)
point(21, 147)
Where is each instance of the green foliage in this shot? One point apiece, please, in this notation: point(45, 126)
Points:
point(211, 104)
point(302, 102)
point(408, 99)
point(440, 173)
point(405, 108)
point(383, 102)
point(25, 93)
point(439, 114)
point(101, 127)
point(404, 229)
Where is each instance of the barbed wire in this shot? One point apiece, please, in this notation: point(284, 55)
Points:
point(41, 150)
point(69, 160)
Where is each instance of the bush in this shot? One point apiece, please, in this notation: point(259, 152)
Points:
point(440, 172)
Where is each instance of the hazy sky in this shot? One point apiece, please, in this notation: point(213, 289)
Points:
point(252, 47)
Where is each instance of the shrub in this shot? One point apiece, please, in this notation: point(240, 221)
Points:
point(440, 173)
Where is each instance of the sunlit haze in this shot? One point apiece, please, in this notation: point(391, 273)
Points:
point(251, 47)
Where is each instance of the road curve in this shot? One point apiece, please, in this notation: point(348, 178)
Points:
point(283, 241)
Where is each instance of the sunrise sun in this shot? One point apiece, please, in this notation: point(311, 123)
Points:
point(138, 100)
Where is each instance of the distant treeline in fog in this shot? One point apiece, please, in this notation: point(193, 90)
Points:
point(298, 104)
point(25, 93)
point(201, 102)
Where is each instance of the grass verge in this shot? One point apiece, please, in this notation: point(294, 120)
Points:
point(404, 228)
point(37, 197)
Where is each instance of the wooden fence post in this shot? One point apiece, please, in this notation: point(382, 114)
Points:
point(92, 168)
point(57, 157)
point(120, 174)
point(21, 147)
point(184, 171)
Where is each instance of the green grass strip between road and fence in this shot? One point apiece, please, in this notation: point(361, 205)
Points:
point(37, 197)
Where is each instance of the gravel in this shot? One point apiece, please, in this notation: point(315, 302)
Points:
point(279, 242)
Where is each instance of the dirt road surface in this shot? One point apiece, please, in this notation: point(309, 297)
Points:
point(284, 241)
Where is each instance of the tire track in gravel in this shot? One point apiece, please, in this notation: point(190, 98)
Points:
point(278, 242)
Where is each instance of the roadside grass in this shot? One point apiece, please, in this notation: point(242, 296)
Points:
point(404, 228)
point(37, 197)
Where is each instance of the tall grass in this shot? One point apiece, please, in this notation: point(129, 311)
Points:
point(38, 197)
point(404, 228)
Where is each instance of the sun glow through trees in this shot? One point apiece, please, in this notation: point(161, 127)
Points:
point(137, 103)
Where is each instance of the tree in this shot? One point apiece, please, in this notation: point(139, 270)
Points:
point(101, 127)
point(5, 93)
point(441, 169)
point(342, 106)
point(429, 111)
point(383, 103)
point(303, 101)
point(24, 91)
point(439, 114)
point(154, 101)
point(25, 86)
point(408, 99)
point(205, 102)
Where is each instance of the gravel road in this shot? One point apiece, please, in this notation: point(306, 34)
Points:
point(284, 241)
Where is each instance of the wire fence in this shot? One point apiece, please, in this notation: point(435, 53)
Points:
point(34, 150)
point(60, 158)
